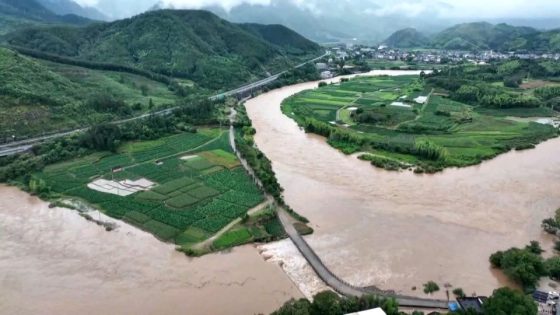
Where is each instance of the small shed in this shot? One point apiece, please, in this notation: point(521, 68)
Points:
point(375, 311)
point(473, 303)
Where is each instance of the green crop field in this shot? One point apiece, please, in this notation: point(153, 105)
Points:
point(187, 204)
point(377, 64)
point(385, 117)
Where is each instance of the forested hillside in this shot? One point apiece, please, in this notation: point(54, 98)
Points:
point(38, 97)
point(63, 7)
point(191, 44)
point(484, 36)
point(480, 36)
point(18, 14)
point(407, 38)
point(282, 37)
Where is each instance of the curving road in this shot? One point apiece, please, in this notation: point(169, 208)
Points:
point(24, 145)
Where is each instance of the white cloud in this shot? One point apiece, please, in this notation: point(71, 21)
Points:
point(410, 9)
point(197, 4)
point(87, 3)
point(504, 8)
point(471, 9)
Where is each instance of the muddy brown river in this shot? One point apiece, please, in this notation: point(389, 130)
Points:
point(52, 261)
point(400, 230)
point(373, 227)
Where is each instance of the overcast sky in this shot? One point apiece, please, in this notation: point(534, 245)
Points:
point(468, 9)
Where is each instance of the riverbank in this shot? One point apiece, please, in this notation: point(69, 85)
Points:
point(372, 226)
point(54, 261)
point(422, 132)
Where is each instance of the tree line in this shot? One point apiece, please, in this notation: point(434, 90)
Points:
point(108, 137)
point(91, 65)
point(503, 301)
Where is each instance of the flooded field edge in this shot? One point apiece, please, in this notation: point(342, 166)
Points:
point(54, 261)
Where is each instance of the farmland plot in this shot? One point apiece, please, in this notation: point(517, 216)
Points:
point(182, 200)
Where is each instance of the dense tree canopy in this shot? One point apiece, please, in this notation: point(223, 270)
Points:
point(523, 266)
point(330, 303)
point(191, 44)
point(506, 301)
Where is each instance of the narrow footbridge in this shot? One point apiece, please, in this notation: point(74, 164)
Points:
point(340, 285)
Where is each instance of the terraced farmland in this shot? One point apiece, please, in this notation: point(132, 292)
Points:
point(200, 186)
point(400, 123)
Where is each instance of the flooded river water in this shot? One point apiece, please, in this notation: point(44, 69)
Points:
point(373, 227)
point(52, 261)
point(400, 230)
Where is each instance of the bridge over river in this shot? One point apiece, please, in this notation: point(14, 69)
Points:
point(340, 285)
point(322, 271)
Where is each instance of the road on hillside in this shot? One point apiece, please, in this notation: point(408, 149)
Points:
point(24, 145)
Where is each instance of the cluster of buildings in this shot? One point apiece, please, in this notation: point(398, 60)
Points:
point(430, 56)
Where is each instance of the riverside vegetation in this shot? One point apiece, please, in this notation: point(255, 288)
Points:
point(526, 266)
point(58, 78)
point(262, 165)
point(455, 117)
point(502, 301)
point(194, 197)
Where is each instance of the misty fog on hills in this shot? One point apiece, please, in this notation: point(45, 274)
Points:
point(368, 21)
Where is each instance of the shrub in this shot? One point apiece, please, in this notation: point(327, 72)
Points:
point(508, 301)
point(522, 266)
point(458, 292)
point(553, 267)
point(430, 287)
point(430, 150)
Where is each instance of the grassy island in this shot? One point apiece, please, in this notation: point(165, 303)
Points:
point(451, 118)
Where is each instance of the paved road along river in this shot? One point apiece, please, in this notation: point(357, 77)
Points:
point(399, 230)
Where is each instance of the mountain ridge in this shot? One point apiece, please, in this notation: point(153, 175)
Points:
point(64, 7)
point(191, 44)
point(19, 14)
point(482, 36)
point(407, 38)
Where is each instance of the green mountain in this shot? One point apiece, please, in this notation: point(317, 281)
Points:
point(18, 14)
point(282, 37)
point(27, 9)
point(191, 44)
point(407, 38)
point(64, 7)
point(338, 21)
point(480, 36)
point(483, 35)
point(547, 40)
